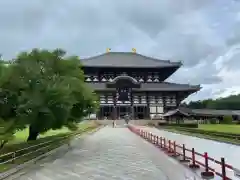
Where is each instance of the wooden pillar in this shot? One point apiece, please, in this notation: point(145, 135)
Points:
point(177, 100)
point(148, 106)
point(164, 102)
point(132, 106)
point(115, 105)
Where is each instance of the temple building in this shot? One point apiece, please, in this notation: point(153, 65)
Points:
point(134, 84)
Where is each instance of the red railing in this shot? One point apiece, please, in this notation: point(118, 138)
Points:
point(194, 159)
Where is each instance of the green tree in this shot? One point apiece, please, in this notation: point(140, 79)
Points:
point(47, 90)
point(9, 92)
point(7, 130)
point(231, 102)
point(227, 120)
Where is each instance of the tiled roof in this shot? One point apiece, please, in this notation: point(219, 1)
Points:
point(175, 111)
point(127, 59)
point(210, 112)
point(215, 112)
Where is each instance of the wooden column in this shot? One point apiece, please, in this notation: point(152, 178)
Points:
point(164, 102)
point(148, 106)
point(114, 106)
point(132, 106)
point(177, 100)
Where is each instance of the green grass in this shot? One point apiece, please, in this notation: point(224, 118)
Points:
point(225, 128)
point(205, 136)
point(21, 136)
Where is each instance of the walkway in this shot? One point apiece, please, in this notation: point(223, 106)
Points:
point(109, 154)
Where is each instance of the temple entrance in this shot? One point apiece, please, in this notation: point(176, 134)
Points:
point(140, 112)
point(122, 111)
point(105, 112)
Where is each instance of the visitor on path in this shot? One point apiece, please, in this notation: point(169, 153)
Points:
point(127, 118)
point(114, 123)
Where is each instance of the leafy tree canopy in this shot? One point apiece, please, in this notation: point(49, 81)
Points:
point(44, 90)
point(230, 102)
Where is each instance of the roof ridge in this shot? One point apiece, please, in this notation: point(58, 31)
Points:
point(144, 56)
point(181, 84)
point(154, 59)
point(217, 109)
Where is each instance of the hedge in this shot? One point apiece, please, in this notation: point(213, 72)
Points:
point(187, 125)
point(211, 133)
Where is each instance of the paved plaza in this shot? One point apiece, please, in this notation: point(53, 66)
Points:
point(108, 154)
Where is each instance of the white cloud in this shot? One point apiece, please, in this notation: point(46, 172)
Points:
point(203, 34)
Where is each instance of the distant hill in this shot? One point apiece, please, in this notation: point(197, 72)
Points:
point(230, 102)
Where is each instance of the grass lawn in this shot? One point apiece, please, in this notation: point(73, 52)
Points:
point(232, 128)
point(220, 139)
point(21, 136)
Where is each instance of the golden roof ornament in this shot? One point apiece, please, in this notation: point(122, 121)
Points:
point(108, 50)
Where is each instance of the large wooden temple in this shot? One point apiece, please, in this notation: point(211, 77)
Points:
point(133, 84)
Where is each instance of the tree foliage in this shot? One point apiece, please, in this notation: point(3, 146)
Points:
point(230, 102)
point(227, 120)
point(44, 90)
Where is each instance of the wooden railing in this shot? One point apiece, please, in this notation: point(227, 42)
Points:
point(195, 160)
point(35, 150)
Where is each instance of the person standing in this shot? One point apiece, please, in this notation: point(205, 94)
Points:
point(114, 123)
point(127, 118)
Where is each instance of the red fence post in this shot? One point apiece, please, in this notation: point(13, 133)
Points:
point(184, 159)
point(174, 149)
point(164, 143)
point(194, 165)
point(207, 174)
point(161, 142)
point(169, 147)
point(224, 175)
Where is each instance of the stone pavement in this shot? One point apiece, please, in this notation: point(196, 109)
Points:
point(108, 154)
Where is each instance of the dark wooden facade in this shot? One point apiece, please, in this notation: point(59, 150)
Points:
point(129, 83)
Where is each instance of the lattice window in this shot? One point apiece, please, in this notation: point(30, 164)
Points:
point(110, 99)
point(159, 100)
point(88, 78)
point(123, 94)
point(135, 99)
point(110, 79)
point(152, 99)
point(156, 80)
point(95, 79)
point(103, 79)
point(144, 100)
point(149, 78)
point(141, 80)
point(102, 99)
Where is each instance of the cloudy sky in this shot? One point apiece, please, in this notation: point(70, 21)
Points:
point(203, 34)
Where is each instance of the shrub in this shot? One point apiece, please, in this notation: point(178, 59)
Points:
point(213, 121)
point(227, 120)
point(186, 125)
